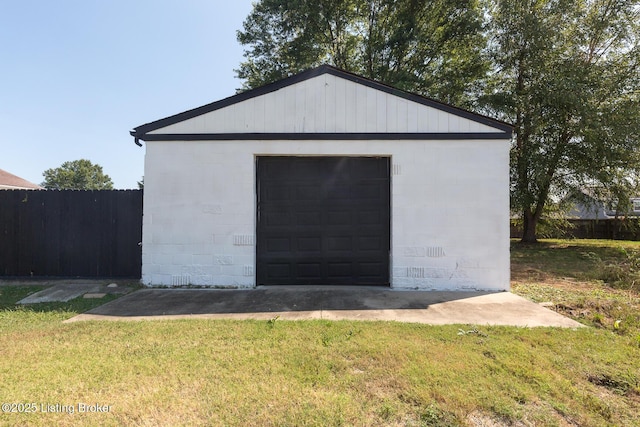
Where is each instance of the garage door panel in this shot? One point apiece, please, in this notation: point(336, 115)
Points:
point(288, 217)
point(339, 217)
point(370, 243)
point(371, 217)
point(278, 168)
point(369, 170)
point(278, 270)
point(278, 244)
point(304, 166)
point(306, 270)
point(338, 191)
point(371, 270)
point(276, 193)
point(369, 191)
point(340, 269)
point(307, 191)
point(323, 220)
point(275, 218)
point(309, 244)
point(308, 218)
point(340, 243)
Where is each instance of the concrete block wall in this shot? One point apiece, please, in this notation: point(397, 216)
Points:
point(450, 216)
point(199, 220)
point(449, 213)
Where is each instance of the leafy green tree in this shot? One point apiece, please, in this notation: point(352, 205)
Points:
point(566, 74)
point(431, 47)
point(77, 175)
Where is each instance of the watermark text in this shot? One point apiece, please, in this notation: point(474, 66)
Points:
point(57, 408)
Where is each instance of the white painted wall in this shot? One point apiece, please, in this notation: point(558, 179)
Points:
point(450, 210)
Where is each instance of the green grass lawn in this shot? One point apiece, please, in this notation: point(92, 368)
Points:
point(596, 282)
point(291, 373)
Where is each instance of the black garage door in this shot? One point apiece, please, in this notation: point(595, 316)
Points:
point(323, 221)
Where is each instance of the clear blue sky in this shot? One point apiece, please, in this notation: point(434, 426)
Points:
point(77, 75)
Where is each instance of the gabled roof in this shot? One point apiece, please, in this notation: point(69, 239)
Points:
point(9, 181)
point(165, 129)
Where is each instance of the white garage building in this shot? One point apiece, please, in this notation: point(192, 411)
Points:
point(326, 178)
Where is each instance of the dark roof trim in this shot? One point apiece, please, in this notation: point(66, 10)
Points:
point(140, 132)
point(321, 136)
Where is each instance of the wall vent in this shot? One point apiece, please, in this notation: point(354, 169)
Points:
point(435, 252)
point(247, 270)
point(180, 280)
point(416, 272)
point(396, 169)
point(243, 240)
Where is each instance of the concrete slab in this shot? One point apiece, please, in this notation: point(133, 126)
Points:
point(36, 281)
point(63, 292)
point(94, 295)
point(332, 303)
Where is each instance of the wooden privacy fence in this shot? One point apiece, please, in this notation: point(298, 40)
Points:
point(70, 233)
point(610, 228)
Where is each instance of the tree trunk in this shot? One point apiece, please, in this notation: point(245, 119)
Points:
point(529, 227)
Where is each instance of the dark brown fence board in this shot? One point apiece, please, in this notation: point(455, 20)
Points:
point(70, 233)
point(611, 229)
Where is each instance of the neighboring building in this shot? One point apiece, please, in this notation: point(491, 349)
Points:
point(326, 178)
point(9, 181)
point(590, 207)
point(634, 209)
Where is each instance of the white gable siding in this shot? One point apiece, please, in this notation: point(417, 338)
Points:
point(327, 104)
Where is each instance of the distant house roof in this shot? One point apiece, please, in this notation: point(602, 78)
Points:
point(589, 206)
point(9, 181)
point(589, 210)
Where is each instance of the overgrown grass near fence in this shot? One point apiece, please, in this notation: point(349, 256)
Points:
point(596, 282)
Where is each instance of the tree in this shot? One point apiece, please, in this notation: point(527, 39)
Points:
point(77, 175)
point(566, 74)
point(429, 47)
